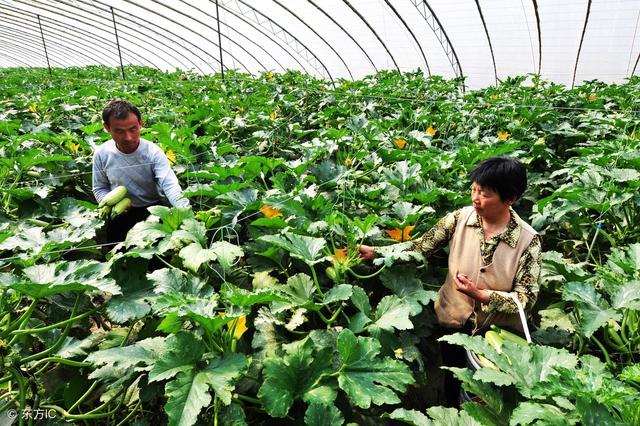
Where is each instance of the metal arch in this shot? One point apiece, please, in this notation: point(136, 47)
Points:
point(16, 60)
point(55, 30)
point(217, 60)
point(26, 51)
point(183, 39)
point(535, 8)
point(486, 31)
point(584, 30)
point(353, 9)
point(261, 31)
point(129, 15)
point(433, 22)
point(318, 35)
point(412, 35)
point(231, 40)
point(53, 33)
point(90, 23)
point(346, 32)
point(242, 35)
point(281, 33)
point(129, 27)
point(59, 50)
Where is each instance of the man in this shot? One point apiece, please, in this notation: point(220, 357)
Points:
point(492, 252)
point(135, 163)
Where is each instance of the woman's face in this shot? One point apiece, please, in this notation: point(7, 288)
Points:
point(487, 202)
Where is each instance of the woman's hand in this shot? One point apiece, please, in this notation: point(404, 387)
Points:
point(366, 252)
point(465, 285)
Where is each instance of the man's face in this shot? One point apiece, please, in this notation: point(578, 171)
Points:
point(125, 132)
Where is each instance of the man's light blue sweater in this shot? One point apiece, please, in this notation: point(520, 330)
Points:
point(145, 172)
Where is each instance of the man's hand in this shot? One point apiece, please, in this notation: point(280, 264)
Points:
point(465, 285)
point(366, 252)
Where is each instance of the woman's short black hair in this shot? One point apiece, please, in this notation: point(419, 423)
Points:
point(119, 109)
point(506, 176)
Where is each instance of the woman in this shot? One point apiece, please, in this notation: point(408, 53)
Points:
point(492, 252)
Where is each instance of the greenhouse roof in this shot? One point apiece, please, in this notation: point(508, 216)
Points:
point(485, 41)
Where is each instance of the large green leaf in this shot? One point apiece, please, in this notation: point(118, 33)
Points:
point(194, 255)
point(524, 366)
point(532, 412)
point(187, 395)
point(319, 414)
point(172, 217)
point(293, 376)
point(167, 280)
point(182, 352)
point(54, 278)
point(241, 297)
point(393, 313)
point(399, 252)
point(451, 417)
point(137, 291)
point(115, 363)
point(308, 249)
point(627, 296)
point(222, 372)
point(404, 283)
point(411, 417)
point(593, 309)
point(364, 376)
point(73, 347)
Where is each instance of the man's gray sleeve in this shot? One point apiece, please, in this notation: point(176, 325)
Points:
point(100, 181)
point(167, 180)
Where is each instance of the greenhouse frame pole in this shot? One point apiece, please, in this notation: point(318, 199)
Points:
point(115, 30)
point(46, 55)
point(219, 40)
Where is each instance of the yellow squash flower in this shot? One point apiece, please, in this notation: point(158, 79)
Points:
point(33, 108)
point(400, 143)
point(273, 115)
point(502, 135)
point(171, 156)
point(270, 212)
point(240, 325)
point(74, 147)
point(592, 97)
point(400, 234)
point(431, 131)
point(340, 255)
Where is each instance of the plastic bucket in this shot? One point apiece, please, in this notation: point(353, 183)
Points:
point(473, 363)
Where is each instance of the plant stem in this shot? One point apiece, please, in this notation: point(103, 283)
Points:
point(56, 325)
point(23, 392)
point(60, 340)
point(124, 341)
point(124, 421)
point(593, 241)
point(21, 320)
point(60, 360)
point(84, 396)
point(165, 262)
point(315, 280)
point(610, 364)
point(248, 399)
point(365, 277)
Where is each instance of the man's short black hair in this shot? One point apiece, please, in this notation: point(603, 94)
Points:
point(119, 109)
point(506, 176)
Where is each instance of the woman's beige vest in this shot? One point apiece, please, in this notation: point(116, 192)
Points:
point(454, 308)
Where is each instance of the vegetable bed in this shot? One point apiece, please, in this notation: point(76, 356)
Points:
point(262, 311)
